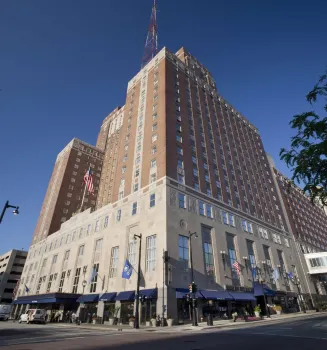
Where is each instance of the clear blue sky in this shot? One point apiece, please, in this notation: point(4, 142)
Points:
point(65, 64)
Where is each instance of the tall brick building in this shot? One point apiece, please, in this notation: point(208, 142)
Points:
point(175, 159)
point(66, 187)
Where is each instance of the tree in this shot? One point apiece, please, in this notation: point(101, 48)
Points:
point(307, 156)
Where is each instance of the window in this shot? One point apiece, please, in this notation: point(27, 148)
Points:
point(106, 221)
point(247, 226)
point(76, 280)
point(54, 259)
point(153, 163)
point(118, 215)
point(154, 137)
point(114, 261)
point(179, 150)
point(251, 255)
point(66, 257)
point(196, 186)
point(232, 257)
point(62, 281)
point(209, 211)
point(132, 252)
point(154, 150)
point(49, 283)
point(154, 127)
point(183, 250)
point(95, 278)
point(181, 200)
point(123, 169)
point(134, 208)
point(88, 229)
point(81, 250)
point(153, 177)
point(98, 244)
point(97, 226)
point(208, 259)
point(150, 253)
point(201, 208)
point(179, 138)
point(228, 218)
point(263, 232)
point(180, 163)
point(287, 243)
point(152, 200)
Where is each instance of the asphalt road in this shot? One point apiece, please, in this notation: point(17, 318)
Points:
point(300, 334)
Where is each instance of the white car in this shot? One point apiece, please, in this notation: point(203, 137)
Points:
point(33, 316)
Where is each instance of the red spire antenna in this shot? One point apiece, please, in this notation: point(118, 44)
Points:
point(151, 43)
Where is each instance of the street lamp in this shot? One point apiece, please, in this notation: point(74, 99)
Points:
point(297, 282)
point(137, 298)
point(194, 318)
point(7, 205)
point(262, 281)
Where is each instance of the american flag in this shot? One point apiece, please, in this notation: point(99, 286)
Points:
point(88, 180)
point(15, 290)
point(237, 267)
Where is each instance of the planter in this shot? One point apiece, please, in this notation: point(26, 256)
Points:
point(94, 321)
point(131, 323)
point(278, 312)
point(111, 321)
point(257, 313)
point(148, 323)
point(170, 322)
point(154, 322)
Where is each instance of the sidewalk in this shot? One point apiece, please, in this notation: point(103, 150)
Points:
point(200, 327)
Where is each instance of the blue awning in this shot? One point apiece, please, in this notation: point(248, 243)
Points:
point(216, 295)
point(127, 295)
point(181, 293)
point(242, 296)
point(88, 298)
point(260, 289)
point(108, 297)
point(149, 293)
point(48, 298)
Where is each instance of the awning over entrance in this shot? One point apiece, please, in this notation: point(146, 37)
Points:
point(181, 293)
point(263, 289)
point(149, 293)
point(88, 298)
point(216, 295)
point(126, 296)
point(50, 298)
point(242, 296)
point(108, 297)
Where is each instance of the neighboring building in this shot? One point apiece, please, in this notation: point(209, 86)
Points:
point(66, 186)
point(177, 159)
point(308, 221)
point(11, 268)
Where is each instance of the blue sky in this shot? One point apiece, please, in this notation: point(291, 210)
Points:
point(65, 64)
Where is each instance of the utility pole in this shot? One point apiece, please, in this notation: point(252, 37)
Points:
point(137, 294)
point(7, 205)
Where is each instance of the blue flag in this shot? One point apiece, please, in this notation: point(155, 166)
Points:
point(26, 289)
point(94, 273)
point(127, 270)
point(254, 273)
point(290, 275)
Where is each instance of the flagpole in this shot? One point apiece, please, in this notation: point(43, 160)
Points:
point(80, 209)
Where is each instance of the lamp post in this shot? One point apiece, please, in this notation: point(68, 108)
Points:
point(7, 205)
point(194, 318)
point(262, 281)
point(297, 282)
point(137, 298)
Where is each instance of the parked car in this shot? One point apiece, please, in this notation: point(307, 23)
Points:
point(33, 316)
point(5, 312)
